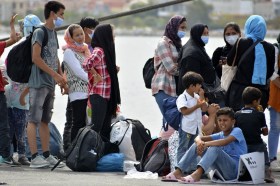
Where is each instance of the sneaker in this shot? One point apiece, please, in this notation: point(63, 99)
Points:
point(53, 161)
point(39, 162)
point(24, 161)
point(268, 177)
point(275, 166)
point(10, 161)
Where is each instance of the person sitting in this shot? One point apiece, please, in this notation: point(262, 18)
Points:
point(219, 151)
point(252, 123)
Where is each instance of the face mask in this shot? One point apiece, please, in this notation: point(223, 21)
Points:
point(58, 21)
point(181, 34)
point(205, 39)
point(232, 39)
point(79, 44)
point(91, 35)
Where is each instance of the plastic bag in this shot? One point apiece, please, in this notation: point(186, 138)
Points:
point(111, 163)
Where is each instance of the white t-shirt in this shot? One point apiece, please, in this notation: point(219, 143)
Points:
point(192, 121)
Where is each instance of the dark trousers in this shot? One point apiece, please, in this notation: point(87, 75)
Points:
point(101, 117)
point(262, 147)
point(68, 125)
point(79, 116)
point(4, 128)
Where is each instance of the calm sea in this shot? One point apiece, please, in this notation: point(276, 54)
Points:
point(137, 101)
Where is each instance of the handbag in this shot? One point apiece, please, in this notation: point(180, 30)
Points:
point(228, 72)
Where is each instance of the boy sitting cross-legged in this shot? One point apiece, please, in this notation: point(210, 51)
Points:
point(219, 151)
point(252, 123)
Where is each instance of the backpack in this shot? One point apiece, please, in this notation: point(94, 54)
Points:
point(131, 136)
point(148, 72)
point(84, 152)
point(19, 59)
point(56, 144)
point(171, 113)
point(155, 157)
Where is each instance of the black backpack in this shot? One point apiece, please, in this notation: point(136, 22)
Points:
point(19, 59)
point(148, 72)
point(86, 149)
point(155, 157)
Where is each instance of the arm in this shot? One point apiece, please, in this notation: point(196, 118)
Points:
point(275, 76)
point(13, 36)
point(37, 60)
point(265, 131)
point(23, 95)
point(220, 142)
point(209, 128)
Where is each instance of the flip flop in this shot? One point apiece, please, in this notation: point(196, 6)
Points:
point(169, 178)
point(187, 180)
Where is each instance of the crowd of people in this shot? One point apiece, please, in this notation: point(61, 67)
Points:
point(89, 75)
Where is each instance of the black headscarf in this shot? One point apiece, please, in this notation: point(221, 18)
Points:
point(103, 38)
point(196, 33)
point(171, 30)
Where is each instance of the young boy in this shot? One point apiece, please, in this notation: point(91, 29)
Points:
point(5, 156)
point(252, 123)
point(190, 103)
point(219, 151)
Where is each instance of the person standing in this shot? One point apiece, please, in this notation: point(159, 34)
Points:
point(88, 24)
point(5, 142)
point(45, 73)
point(103, 87)
point(231, 34)
point(75, 52)
point(165, 63)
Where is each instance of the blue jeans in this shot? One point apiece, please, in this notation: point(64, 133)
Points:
point(4, 128)
point(185, 142)
point(160, 96)
point(17, 122)
point(214, 158)
point(273, 136)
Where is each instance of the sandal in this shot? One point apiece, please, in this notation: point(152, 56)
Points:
point(187, 179)
point(169, 178)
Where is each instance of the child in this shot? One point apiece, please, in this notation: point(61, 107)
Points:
point(219, 151)
point(189, 103)
point(5, 156)
point(252, 123)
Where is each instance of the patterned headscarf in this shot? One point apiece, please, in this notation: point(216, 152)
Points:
point(70, 43)
point(171, 30)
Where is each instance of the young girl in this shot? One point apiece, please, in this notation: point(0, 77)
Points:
point(103, 80)
point(75, 52)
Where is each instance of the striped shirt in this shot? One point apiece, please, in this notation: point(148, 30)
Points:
point(97, 61)
point(166, 67)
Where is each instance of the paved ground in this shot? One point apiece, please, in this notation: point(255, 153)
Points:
point(25, 176)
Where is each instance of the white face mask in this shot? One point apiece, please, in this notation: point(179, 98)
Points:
point(232, 39)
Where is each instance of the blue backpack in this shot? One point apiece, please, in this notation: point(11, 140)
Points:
point(171, 113)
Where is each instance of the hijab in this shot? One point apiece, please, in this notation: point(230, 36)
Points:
point(255, 28)
point(196, 33)
point(171, 30)
point(103, 38)
point(70, 43)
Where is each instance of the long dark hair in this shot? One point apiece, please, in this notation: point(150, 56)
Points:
point(103, 38)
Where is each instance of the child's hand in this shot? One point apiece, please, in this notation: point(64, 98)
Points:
point(200, 148)
point(22, 100)
point(96, 77)
point(213, 108)
point(201, 93)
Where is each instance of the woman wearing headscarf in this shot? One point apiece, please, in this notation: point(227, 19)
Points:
point(103, 84)
point(231, 34)
point(165, 62)
point(258, 67)
point(75, 52)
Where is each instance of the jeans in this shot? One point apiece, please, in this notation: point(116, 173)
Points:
point(262, 147)
point(4, 128)
point(100, 115)
point(273, 136)
point(79, 116)
point(17, 123)
point(214, 158)
point(185, 142)
point(160, 96)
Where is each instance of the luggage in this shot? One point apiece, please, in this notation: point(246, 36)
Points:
point(155, 157)
point(131, 136)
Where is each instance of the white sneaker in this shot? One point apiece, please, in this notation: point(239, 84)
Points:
point(53, 161)
point(39, 162)
point(275, 166)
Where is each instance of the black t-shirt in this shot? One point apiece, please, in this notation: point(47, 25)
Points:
point(251, 122)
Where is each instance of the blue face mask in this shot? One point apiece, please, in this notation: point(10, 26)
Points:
point(181, 34)
point(58, 22)
point(205, 39)
point(79, 44)
point(91, 35)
